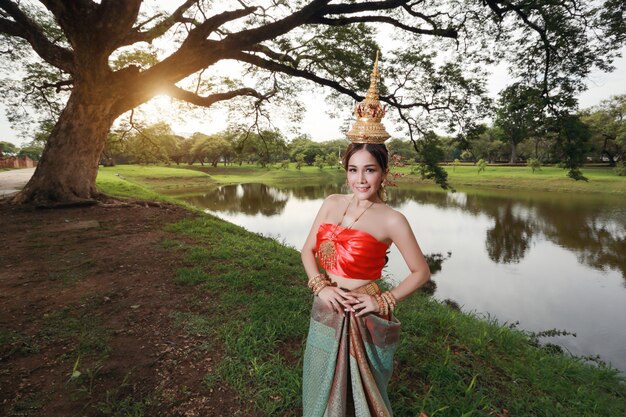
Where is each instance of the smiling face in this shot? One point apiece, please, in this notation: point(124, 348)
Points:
point(364, 175)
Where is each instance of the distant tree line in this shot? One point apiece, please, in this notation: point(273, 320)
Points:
point(520, 133)
point(33, 150)
point(157, 144)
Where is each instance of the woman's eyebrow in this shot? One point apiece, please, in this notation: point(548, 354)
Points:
point(366, 166)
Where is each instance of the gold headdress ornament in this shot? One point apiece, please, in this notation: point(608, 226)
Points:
point(368, 127)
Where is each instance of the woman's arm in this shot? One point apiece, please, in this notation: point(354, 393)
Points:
point(335, 298)
point(403, 237)
point(308, 250)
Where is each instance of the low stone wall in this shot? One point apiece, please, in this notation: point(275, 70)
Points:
point(14, 162)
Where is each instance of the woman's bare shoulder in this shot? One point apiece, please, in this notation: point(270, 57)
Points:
point(336, 200)
point(394, 217)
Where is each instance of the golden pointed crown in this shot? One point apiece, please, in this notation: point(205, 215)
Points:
point(368, 127)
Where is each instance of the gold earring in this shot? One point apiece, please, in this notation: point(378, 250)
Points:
point(383, 192)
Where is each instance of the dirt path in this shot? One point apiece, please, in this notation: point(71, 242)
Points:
point(92, 290)
point(13, 181)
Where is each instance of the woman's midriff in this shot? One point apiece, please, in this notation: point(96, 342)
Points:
point(348, 283)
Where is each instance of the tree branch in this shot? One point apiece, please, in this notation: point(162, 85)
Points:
point(446, 33)
point(201, 32)
point(274, 29)
point(27, 29)
point(207, 101)
point(363, 7)
point(58, 86)
point(72, 15)
point(278, 56)
point(285, 69)
point(493, 4)
point(160, 28)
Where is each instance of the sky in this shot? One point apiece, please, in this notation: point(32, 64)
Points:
point(318, 123)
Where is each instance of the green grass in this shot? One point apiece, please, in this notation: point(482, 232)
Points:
point(260, 306)
point(12, 342)
point(80, 331)
point(448, 361)
point(115, 184)
point(601, 180)
point(184, 179)
point(145, 182)
point(270, 175)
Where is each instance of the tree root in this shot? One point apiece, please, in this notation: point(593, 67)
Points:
point(66, 204)
point(108, 202)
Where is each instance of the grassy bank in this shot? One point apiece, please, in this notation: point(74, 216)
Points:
point(449, 363)
point(549, 179)
point(601, 180)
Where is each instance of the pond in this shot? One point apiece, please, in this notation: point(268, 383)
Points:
point(543, 260)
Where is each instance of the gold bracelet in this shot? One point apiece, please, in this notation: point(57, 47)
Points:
point(320, 287)
point(319, 282)
point(317, 278)
point(381, 304)
point(390, 299)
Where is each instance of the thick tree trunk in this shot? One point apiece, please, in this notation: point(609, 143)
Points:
point(66, 173)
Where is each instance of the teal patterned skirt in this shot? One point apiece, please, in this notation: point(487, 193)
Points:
point(348, 363)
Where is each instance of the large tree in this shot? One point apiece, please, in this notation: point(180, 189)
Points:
point(519, 115)
point(89, 61)
point(607, 123)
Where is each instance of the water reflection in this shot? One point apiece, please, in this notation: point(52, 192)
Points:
point(509, 238)
point(594, 229)
point(248, 199)
point(255, 198)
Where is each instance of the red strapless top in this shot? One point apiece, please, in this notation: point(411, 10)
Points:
point(359, 254)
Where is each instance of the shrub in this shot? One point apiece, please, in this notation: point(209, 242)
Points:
point(534, 164)
point(481, 164)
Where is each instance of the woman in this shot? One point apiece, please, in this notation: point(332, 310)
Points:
point(353, 334)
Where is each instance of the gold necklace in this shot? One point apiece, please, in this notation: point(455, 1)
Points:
point(327, 253)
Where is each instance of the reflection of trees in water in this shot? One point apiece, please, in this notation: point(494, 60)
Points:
point(583, 225)
point(508, 240)
point(249, 199)
point(597, 240)
point(314, 192)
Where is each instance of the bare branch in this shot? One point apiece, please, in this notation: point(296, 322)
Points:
point(207, 101)
point(277, 28)
point(213, 23)
point(446, 33)
point(285, 69)
point(58, 86)
point(280, 57)
point(363, 7)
